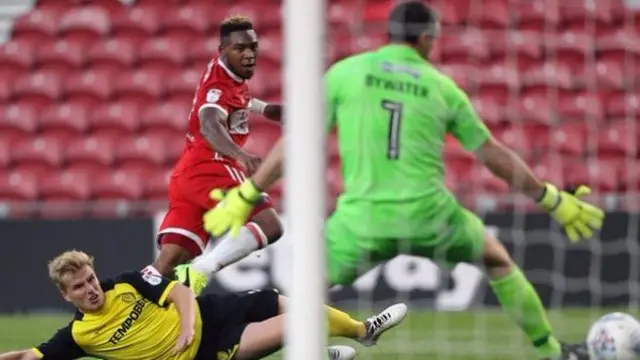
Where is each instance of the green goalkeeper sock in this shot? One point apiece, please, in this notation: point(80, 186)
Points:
point(520, 300)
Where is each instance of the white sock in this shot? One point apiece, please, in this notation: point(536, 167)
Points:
point(230, 250)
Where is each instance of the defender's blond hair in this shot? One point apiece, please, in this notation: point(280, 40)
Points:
point(68, 262)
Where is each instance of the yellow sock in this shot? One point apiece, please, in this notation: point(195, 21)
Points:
point(341, 324)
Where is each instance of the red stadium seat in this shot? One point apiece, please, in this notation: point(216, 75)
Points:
point(465, 47)
point(271, 51)
point(65, 185)
point(5, 91)
point(205, 48)
point(64, 121)
point(112, 6)
point(333, 151)
point(18, 186)
point(630, 177)
point(162, 54)
point(565, 139)
point(619, 41)
point(135, 24)
point(600, 175)
point(589, 14)
point(622, 105)
point(334, 182)
point(498, 82)
point(570, 48)
point(517, 138)
point(38, 155)
point(36, 26)
point(157, 185)
point(262, 84)
point(550, 168)
point(580, 107)
point(263, 135)
point(113, 55)
point(546, 77)
point(608, 75)
point(453, 12)
point(38, 88)
point(5, 155)
point(182, 86)
point(18, 121)
point(85, 25)
point(526, 46)
point(116, 119)
point(490, 14)
point(619, 140)
point(17, 54)
point(539, 15)
point(166, 119)
point(117, 185)
point(92, 87)
point(61, 56)
point(141, 86)
point(191, 20)
point(90, 153)
point(141, 153)
point(536, 108)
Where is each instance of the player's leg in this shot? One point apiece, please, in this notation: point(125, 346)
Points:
point(262, 230)
point(261, 339)
point(520, 300)
point(469, 241)
point(261, 314)
point(180, 238)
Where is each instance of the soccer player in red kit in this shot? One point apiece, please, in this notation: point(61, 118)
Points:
point(214, 158)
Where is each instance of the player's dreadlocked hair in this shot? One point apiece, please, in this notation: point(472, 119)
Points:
point(235, 23)
point(408, 20)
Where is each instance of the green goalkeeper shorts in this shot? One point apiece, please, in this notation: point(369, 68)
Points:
point(351, 255)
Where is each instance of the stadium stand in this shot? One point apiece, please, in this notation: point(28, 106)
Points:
point(95, 94)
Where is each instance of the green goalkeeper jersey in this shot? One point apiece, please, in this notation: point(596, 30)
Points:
point(392, 110)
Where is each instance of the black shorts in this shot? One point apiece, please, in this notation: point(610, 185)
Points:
point(224, 318)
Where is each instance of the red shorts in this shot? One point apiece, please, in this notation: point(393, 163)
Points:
point(189, 200)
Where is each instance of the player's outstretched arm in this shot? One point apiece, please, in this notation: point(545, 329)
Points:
point(185, 300)
point(578, 218)
point(19, 355)
point(270, 171)
point(507, 165)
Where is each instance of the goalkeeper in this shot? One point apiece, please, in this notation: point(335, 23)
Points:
point(393, 109)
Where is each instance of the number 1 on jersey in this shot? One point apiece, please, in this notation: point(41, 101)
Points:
point(395, 118)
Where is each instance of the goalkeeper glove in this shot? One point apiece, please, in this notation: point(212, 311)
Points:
point(578, 218)
point(233, 209)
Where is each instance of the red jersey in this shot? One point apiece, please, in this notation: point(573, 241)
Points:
point(221, 89)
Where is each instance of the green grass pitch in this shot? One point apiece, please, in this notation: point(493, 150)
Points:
point(479, 334)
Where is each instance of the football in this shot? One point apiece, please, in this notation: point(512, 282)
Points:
point(615, 336)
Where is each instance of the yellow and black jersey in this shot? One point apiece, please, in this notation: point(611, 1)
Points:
point(135, 323)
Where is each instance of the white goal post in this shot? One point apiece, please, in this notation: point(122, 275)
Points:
point(305, 196)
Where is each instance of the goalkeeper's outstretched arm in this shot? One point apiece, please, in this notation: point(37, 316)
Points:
point(578, 218)
point(270, 171)
point(507, 165)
